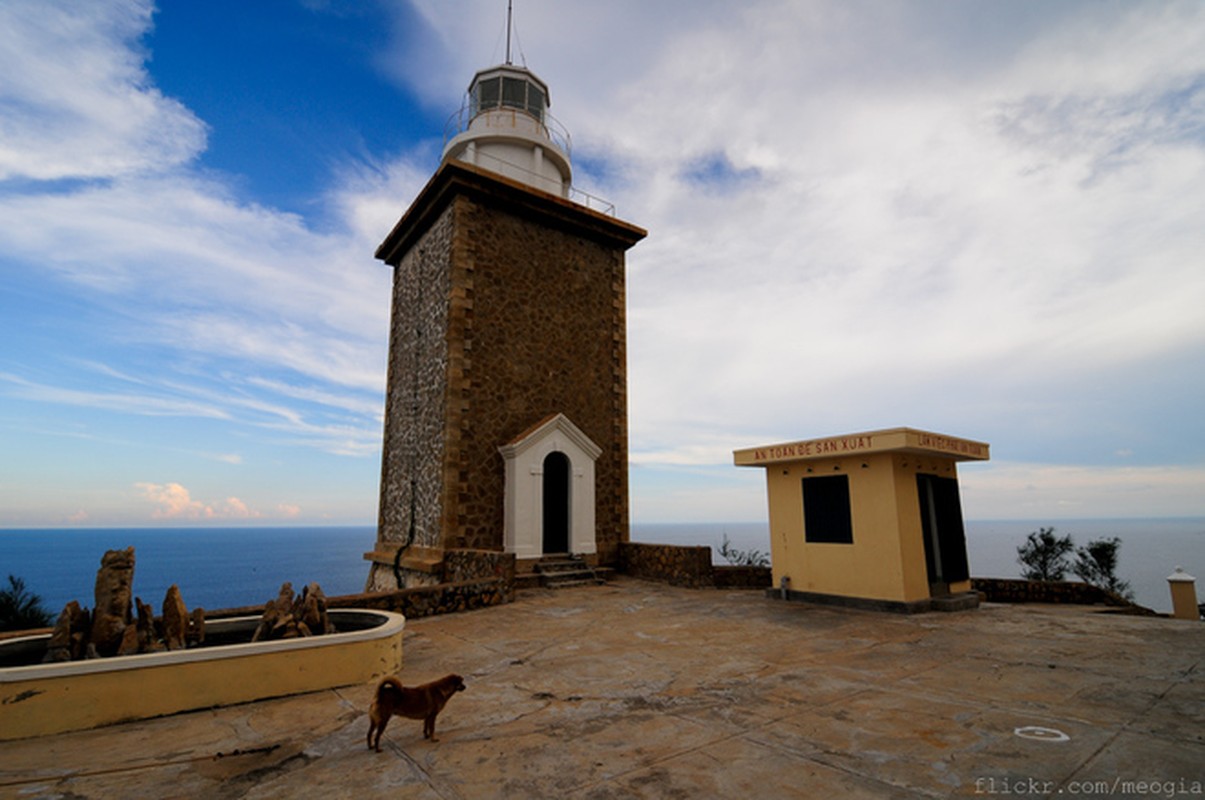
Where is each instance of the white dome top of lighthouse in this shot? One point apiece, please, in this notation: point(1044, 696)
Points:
point(504, 126)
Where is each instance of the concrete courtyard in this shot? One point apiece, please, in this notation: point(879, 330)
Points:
point(636, 689)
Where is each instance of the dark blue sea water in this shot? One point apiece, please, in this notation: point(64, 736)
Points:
point(228, 567)
point(214, 567)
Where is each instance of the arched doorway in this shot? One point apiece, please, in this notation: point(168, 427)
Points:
point(556, 502)
point(567, 480)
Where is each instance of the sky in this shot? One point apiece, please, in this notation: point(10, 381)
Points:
point(981, 219)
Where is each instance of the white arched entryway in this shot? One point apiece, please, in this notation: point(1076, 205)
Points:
point(550, 489)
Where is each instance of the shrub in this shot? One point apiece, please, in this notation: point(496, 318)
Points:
point(1043, 557)
point(20, 609)
point(1096, 563)
point(743, 558)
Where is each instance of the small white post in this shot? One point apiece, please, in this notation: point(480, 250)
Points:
point(1184, 595)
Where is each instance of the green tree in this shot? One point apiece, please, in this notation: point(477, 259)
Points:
point(20, 609)
point(743, 558)
point(1096, 563)
point(1043, 557)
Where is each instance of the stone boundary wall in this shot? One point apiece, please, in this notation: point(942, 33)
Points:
point(676, 565)
point(426, 601)
point(1015, 590)
point(420, 601)
point(688, 566)
point(742, 577)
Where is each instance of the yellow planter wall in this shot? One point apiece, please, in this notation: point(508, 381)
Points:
point(52, 698)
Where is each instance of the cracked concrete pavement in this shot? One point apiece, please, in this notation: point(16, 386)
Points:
point(636, 689)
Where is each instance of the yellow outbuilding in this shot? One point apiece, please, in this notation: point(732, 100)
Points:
point(869, 519)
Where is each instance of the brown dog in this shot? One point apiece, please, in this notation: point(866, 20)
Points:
point(418, 702)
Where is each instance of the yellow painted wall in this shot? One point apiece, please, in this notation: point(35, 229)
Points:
point(906, 467)
point(886, 560)
point(53, 698)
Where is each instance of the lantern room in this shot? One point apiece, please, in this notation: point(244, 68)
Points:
point(504, 126)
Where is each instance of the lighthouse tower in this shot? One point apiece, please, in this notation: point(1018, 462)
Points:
point(506, 401)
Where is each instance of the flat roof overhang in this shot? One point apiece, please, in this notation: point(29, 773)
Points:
point(891, 440)
point(457, 177)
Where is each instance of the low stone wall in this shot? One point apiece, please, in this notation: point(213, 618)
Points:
point(742, 577)
point(418, 601)
point(687, 566)
point(459, 580)
point(1013, 590)
point(425, 601)
point(673, 564)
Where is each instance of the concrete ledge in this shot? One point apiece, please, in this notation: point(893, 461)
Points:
point(958, 602)
point(419, 559)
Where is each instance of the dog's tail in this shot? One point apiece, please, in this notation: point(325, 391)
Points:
point(389, 684)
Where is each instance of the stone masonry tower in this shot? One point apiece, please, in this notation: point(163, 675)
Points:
point(506, 405)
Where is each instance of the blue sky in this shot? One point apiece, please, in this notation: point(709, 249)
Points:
point(981, 219)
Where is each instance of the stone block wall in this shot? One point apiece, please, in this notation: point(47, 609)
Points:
point(475, 565)
point(413, 450)
point(425, 601)
point(688, 566)
point(742, 577)
point(1009, 590)
point(674, 564)
point(508, 306)
point(541, 322)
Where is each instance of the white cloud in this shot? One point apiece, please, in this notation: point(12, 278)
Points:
point(174, 502)
point(900, 234)
point(143, 403)
point(75, 99)
point(1060, 491)
point(171, 259)
point(973, 218)
point(995, 490)
point(943, 215)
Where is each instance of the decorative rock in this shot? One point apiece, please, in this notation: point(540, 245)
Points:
point(148, 638)
point(175, 620)
point(114, 596)
point(196, 627)
point(111, 629)
point(129, 641)
point(313, 610)
point(275, 613)
point(288, 617)
point(69, 639)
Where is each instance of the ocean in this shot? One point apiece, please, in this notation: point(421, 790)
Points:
point(214, 567)
point(228, 567)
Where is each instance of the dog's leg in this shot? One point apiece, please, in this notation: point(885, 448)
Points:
point(380, 730)
point(429, 727)
point(372, 726)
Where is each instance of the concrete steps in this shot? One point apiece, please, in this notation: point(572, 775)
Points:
point(562, 572)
